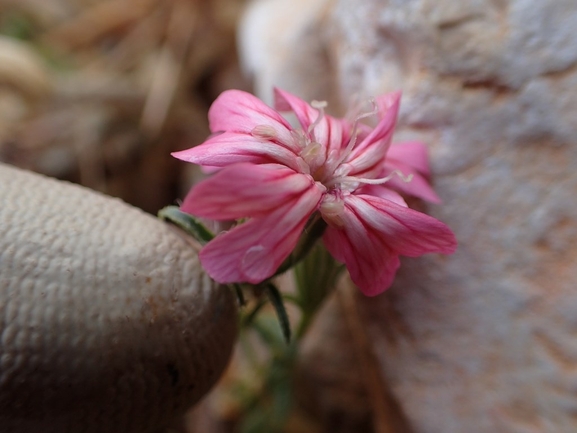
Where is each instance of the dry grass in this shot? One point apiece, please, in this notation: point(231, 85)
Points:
point(100, 92)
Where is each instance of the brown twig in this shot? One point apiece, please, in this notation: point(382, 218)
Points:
point(169, 68)
point(388, 416)
point(97, 21)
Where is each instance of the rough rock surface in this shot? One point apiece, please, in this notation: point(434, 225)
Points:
point(107, 321)
point(484, 340)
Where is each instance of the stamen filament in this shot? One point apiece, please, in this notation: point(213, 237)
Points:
point(320, 106)
point(380, 181)
point(353, 141)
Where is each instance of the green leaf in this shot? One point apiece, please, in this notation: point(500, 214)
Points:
point(186, 222)
point(277, 302)
point(266, 327)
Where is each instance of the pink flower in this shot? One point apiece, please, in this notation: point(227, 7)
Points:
point(278, 177)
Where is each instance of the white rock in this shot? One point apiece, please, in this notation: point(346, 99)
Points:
point(489, 341)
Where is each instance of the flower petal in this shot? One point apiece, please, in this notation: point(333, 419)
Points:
point(238, 111)
point(330, 132)
point(285, 101)
point(371, 151)
point(417, 186)
point(383, 192)
point(413, 154)
point(231, 148)
point(246, 190)
point(407, 231)
point(372, 265)
point(375, 232)
point(253, 251)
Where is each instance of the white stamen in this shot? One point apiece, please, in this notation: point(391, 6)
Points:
point(320, 106)
point(314, 155)
point(332, 209)
point(353, 141)
point(299, 138)
point(354, 134)
point(380, 181)
point(264, 131)
point(303, 166)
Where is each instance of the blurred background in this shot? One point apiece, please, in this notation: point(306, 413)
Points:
point(100, 92)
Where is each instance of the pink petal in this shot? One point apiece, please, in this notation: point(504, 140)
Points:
point(246, 190)
point(231, 148)
point(375, 232)
point(417, 186)
point(363, 131)
point(253, 251)
point(371, 264)
point(241, 112)
point(371, 151)
point(406, 231)
point(383, 192)
point(387, 101)
point(329, 131)
point(285, 101)
point(413, 154)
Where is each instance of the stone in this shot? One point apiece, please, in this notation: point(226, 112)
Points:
point(484, 340)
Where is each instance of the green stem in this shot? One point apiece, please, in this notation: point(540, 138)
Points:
point(248, 318)
point(303, 326)
point(292, 299)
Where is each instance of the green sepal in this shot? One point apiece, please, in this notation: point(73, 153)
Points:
point(186, 222)
point(315, 278)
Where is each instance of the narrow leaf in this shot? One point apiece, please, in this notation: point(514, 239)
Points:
point(239, 294)
point(186, 222)
point(277, 302)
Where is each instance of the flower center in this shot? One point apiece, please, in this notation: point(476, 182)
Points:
point(328, 168)
point(314, 155)
point(332, 208)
